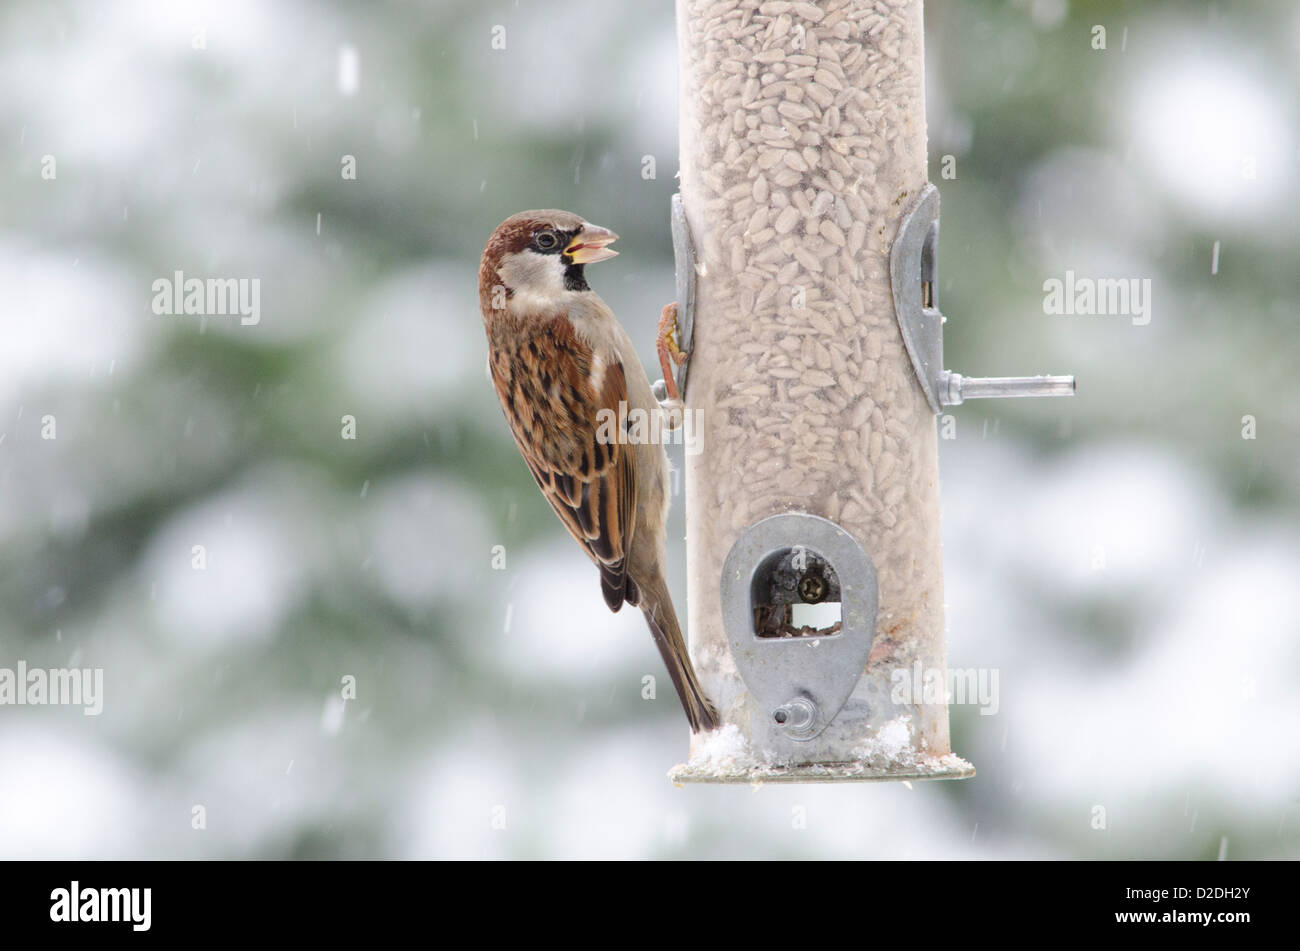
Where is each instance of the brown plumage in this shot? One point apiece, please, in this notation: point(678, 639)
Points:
point(558, 358)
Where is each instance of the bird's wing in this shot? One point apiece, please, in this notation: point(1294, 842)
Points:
point(553, 389)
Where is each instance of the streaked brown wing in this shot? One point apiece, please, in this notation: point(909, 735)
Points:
point(543, 376)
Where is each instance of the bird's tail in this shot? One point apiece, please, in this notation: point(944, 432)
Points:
point(657, 606)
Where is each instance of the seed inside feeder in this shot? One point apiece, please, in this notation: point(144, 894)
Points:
point(803, 143)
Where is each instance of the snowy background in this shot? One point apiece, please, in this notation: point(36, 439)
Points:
point(1125, 561)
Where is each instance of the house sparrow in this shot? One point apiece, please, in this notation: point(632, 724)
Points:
point(557, 357)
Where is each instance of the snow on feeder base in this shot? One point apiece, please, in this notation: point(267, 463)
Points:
point(805, 237)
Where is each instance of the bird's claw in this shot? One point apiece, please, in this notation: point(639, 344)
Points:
point(672, 411)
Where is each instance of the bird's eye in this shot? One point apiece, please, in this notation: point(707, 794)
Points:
point(547, 240)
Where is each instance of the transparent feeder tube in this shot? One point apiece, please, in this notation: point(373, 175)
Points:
point(803, 142)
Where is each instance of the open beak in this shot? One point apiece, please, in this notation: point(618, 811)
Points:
point(589, 246)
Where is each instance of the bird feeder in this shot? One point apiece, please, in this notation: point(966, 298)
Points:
point(805, 234)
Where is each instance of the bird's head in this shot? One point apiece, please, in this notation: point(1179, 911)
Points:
point(534, 258)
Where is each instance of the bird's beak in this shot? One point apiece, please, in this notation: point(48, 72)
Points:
point(588, 246)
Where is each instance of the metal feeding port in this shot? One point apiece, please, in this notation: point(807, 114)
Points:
point(799, 605)
point(914, 275)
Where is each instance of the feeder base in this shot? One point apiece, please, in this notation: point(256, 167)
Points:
point(949, 767)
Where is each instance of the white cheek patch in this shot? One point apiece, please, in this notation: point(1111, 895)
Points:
point(530, 273)
point(537, 281)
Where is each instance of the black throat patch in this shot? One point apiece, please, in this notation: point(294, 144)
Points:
point(574, 279)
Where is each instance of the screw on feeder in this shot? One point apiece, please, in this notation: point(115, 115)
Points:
point(812, 588)
point(798, 717)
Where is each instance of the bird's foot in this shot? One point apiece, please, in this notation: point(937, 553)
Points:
point(671, 355)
